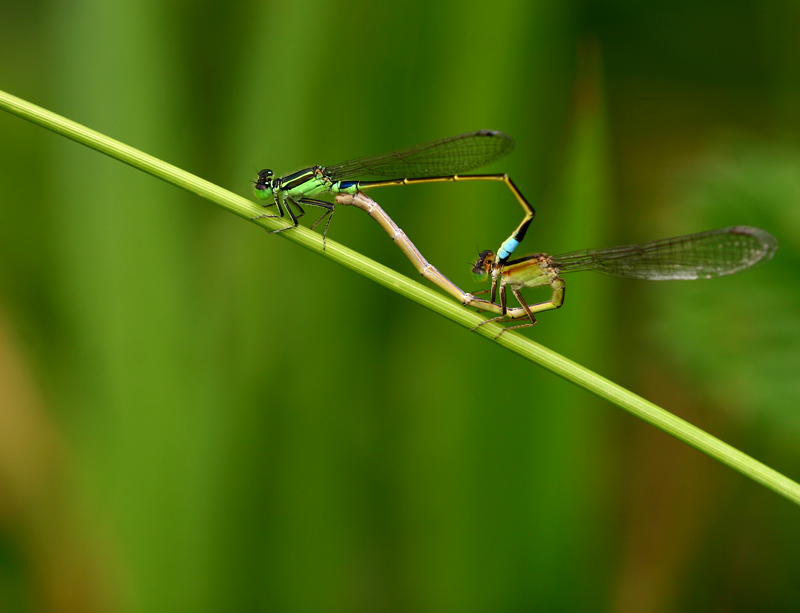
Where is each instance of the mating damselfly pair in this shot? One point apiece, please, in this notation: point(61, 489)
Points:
point(696, 256)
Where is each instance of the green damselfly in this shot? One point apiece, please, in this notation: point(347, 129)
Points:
point(441, 160)
point(704, 255)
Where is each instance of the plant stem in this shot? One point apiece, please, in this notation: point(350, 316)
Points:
point(514, 342)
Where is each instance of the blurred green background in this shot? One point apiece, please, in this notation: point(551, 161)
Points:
point(196, 415)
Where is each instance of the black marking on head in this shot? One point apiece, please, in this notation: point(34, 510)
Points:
point(264, 180)
point(484, 262)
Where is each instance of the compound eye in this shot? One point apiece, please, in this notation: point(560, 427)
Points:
point(479, 275)
point(263, 186)
point(264, 180)
point(480, 271)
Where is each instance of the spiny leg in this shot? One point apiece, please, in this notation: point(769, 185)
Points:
point(478, 293)
point(284, 206)
point(280, 211)
point(287, 204)
point(505, 316)
point(502, 317)
point(496, 270)
point(525, 306)
point(329, 210)
point(555, 302)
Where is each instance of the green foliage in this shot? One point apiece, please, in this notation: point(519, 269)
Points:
point(213, 419)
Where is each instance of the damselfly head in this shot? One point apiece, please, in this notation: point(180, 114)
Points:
point(263, 187)
point(483, 266)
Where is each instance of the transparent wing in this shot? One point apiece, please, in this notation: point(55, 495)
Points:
point(449, 156)
point(695, 256)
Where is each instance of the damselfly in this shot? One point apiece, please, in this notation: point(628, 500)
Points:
point(705, 255)
point(441, 160)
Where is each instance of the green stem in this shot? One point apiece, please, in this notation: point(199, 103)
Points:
point(516, 343)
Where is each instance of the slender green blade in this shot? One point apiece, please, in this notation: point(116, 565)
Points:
point(695, 256)
point(449, 156)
